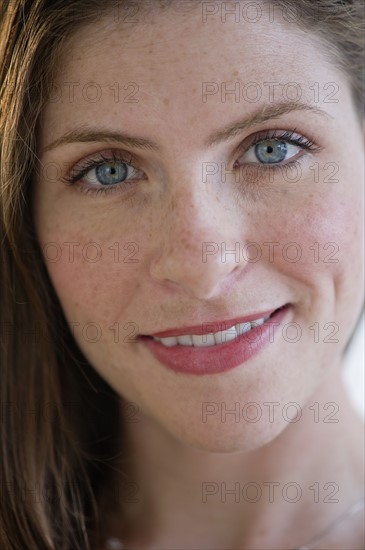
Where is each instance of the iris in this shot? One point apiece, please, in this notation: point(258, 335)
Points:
point(111, 173)
point(271, 150)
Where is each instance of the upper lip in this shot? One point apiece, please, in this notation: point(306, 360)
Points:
point(208, 327)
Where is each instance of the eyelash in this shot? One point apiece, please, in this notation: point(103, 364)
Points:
point(301, 141)
point(91, 163)
point(88, 164)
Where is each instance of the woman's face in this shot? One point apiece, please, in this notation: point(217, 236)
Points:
point(137, 251)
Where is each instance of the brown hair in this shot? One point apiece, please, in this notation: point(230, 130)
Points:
point(59, 418)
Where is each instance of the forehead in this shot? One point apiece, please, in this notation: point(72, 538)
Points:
point(170, 46)
point(174, 68)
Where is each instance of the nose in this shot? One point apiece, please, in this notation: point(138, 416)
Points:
point(198, 249)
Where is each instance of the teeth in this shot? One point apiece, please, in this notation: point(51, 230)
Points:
point(168, 342)
point(203, 340)
point(224, 336)
point(243, 327)
point(185, 340)
point(209, 340)
point(258, 322)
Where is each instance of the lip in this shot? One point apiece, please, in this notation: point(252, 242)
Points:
point(208, 327)
point(220, 358)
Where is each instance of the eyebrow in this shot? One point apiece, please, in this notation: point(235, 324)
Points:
point(268, 112)
point(85, 134)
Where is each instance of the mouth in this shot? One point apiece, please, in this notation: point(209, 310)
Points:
point(210, 353)
point(211, 334)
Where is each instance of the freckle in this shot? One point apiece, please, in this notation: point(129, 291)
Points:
point(166, 101)
point(235, 73)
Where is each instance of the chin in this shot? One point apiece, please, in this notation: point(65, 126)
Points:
point(227, 438)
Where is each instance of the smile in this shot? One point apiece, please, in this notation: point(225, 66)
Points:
point(218, 351)
point(212, 339)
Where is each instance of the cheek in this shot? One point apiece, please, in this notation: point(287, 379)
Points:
point(95, 282)
point(92, 255)
point(322, 234)
point(92, 258)
point(319, 252)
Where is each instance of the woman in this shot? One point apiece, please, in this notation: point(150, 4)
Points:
point(182, 210)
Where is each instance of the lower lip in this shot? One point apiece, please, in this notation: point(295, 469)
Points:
point(219, 358)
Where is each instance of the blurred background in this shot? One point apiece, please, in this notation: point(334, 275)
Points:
point(353, 372)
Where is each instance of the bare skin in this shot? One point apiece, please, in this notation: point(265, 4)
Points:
point(169, 210)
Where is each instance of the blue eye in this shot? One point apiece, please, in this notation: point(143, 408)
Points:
point(110, 173)
point(271, 150)
point(104, 173)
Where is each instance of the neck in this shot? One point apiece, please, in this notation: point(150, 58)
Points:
point(266, 498)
